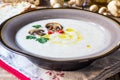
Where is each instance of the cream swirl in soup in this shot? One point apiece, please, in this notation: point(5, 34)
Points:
point(63, 38)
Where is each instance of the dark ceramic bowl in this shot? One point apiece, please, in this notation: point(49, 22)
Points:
point(10, 27)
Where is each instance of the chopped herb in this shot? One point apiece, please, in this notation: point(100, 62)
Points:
point(42, 39)
point(30, 37)
point(37, 26)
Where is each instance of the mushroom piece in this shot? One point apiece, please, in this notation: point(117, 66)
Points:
point(57, 5)
point(114, 8)
point(54, 26)
point(79, 2)
point(53, 3)
point(39, 32)
point(102, 10)
point(93, 8)
point(35, 2)
point(76, 2)
point(71, 2)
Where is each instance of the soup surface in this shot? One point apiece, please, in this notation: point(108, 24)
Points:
point(62, 38)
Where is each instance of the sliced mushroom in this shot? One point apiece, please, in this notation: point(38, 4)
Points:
point(54, 26)
point(37, 32)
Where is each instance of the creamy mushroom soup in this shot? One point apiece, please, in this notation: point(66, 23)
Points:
point(62, 38)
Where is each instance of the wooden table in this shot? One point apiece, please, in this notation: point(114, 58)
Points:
point(4, 75)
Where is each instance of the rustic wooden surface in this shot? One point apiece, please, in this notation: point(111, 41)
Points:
point(4, 75)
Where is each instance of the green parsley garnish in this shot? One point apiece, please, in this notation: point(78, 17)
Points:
point(42, 39)
point(30, 37)
point(37, 26)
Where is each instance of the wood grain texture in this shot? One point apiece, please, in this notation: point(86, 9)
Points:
point(4, 75)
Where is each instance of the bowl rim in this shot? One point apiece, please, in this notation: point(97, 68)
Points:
point(57, 59)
